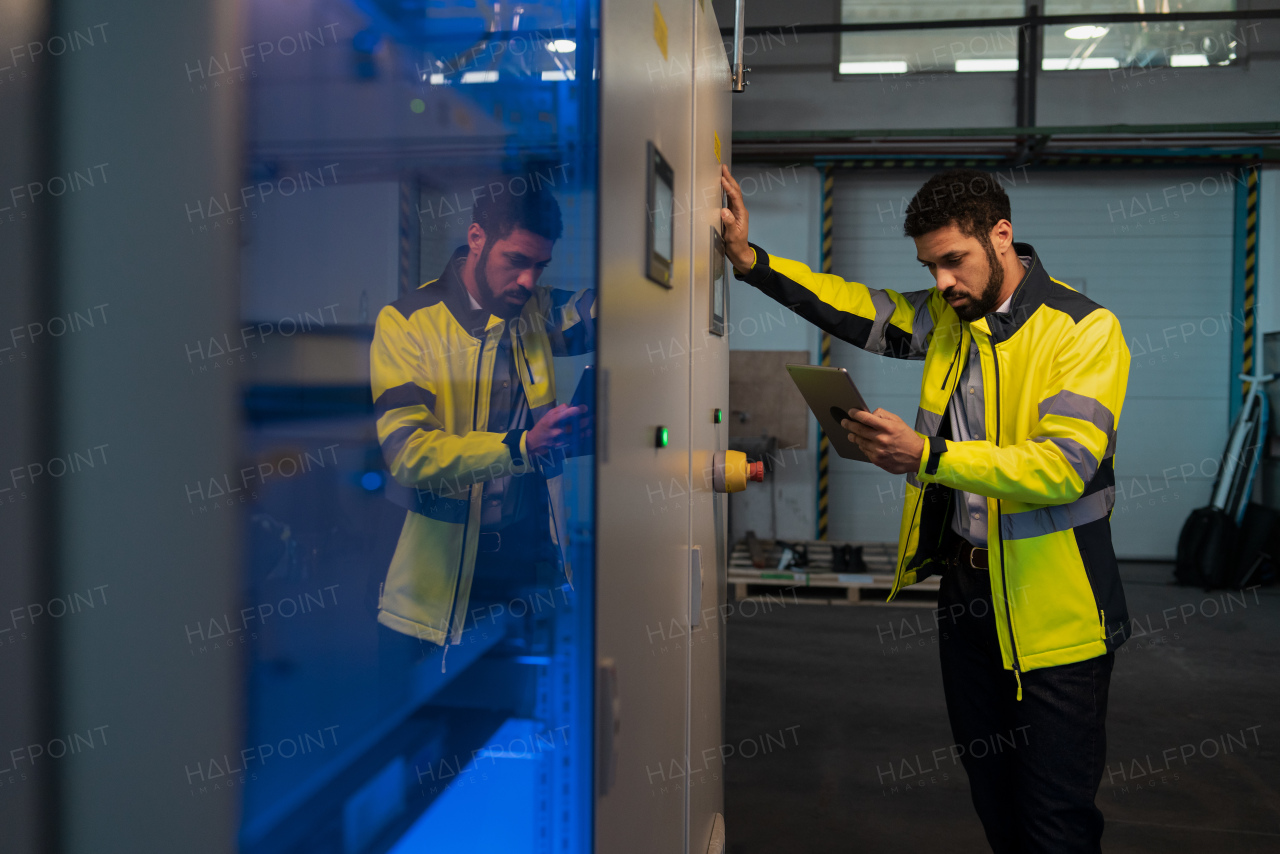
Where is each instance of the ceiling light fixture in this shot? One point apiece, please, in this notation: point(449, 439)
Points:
point(1088, 31)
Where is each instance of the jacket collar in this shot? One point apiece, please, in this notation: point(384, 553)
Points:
point(1031, 293)
point(455, 297)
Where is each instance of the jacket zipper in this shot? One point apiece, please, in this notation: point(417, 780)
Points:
point(462, 559)
point(920, 498)
point(555, 532)
point(954, 360)
point(897, 576)
point(1004, 576)
point(1088, 574)
point(525, 355)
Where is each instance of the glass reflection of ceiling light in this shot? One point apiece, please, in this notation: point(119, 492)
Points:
point(986, 65)
point(896, 66)
point(1188, 60)
point(1091, 62)
point(437, 79)
point(557, 75)
point(562, 46)
point(480, 77)
point(1088, 31)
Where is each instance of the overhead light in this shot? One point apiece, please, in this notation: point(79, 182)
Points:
point(1188, 60)
point(437, 80)
point(480, 77)
point(557, 75)
point(1066, 64)
point(896, 66)
point(562, 46)
point(986, 65)
point(1088, 31)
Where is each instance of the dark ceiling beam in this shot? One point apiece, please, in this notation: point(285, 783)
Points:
point(1018, 145)
point(1022, 20)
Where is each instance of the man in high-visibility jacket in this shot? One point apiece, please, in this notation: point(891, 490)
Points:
point(465, 399)
point(1010, 486)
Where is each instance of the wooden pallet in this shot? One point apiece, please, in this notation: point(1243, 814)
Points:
point(818, 584)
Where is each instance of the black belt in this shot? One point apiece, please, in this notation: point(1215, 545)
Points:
point(965, 555)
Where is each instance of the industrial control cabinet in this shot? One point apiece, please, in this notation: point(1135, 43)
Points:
point(345, 651)
point(664, 373)
point(664, 94)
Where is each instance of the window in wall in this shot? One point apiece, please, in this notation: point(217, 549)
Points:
point(1151, 44)
point(923, 51)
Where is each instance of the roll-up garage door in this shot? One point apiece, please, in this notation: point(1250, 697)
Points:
point(1155, 247)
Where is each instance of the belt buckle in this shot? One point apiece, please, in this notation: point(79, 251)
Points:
point(973, 551)
point(496, 541)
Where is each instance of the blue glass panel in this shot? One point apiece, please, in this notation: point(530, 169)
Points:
point(418, 280)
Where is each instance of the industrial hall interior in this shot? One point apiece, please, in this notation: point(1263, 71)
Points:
point(639, 426)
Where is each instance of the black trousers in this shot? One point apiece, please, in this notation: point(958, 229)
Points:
point(1034, 764)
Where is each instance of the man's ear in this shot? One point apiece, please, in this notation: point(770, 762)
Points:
point(475, 238)
point(1002, 235)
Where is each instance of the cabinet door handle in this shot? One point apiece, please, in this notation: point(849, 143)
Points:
point(608, 725)
point(695, 586)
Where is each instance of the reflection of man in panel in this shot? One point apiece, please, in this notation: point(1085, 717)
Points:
point(465, 399)
point(1009, 492)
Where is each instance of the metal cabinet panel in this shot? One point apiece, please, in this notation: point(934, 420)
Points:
point(709, 390)
point(643, 532)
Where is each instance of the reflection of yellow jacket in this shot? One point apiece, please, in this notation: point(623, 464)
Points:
point(1054, 369)
point(431, 366)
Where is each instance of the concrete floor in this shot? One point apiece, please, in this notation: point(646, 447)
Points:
point(839, 705)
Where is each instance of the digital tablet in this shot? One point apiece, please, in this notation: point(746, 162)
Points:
point(585, 393)
point(582, 440)
point(830, 393)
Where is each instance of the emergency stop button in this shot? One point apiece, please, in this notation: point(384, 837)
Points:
point(730, 471)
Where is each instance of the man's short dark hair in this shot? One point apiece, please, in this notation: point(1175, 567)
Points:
point(971, 199)
point(534, 210)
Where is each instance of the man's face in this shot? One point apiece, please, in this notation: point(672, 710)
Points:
point(967, 270)
point(508, 270)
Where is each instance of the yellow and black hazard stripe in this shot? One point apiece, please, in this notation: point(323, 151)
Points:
point(1250, 273)
point(824, 347)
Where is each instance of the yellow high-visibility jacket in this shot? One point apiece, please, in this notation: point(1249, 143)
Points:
point(431, 368)
point(1054, 369)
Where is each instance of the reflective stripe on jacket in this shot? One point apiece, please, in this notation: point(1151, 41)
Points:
point(1055, 368)
point(431, 369)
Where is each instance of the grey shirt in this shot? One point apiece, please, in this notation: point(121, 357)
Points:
point(967, 411)
point(505, 500)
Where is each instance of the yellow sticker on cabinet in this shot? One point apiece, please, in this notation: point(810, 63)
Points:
point(717, 136)
point(660, 30)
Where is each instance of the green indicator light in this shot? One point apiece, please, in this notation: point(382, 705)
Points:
point(660, 440)
point(417, 105)
point(719, 415)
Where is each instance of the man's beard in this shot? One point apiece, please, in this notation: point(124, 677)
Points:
point(497, 306)
point(990, 296)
